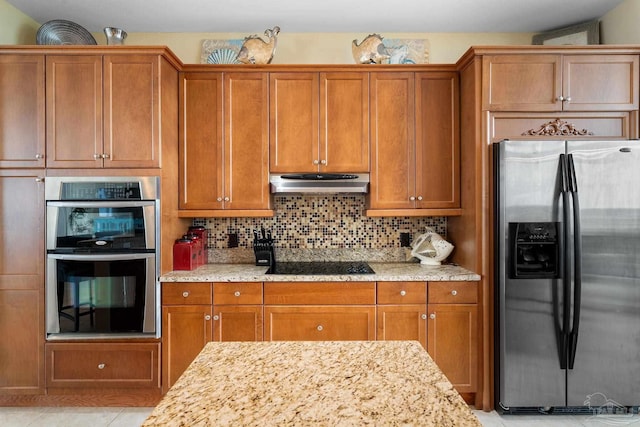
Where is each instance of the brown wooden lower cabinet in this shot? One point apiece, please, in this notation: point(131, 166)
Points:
point(196, 313)
point(237, 323)
point(185, 331)
point(93, 365)
point(453, 343)
point(403, 322)
point(319, 323)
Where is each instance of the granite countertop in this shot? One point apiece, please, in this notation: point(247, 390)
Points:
point(303, 383)
point(395, 271)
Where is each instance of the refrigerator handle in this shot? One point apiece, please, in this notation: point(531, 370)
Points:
point(566, 276)
point(577, 263)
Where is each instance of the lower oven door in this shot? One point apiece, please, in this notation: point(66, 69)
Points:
point(101, 296)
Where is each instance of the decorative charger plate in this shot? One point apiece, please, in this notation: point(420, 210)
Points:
point(223, 56)
point(60, 31)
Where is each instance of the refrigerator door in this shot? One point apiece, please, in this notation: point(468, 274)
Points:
point(528, 187)
point(608, 346)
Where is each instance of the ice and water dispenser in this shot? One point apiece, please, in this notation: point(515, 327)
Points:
point(534, 250)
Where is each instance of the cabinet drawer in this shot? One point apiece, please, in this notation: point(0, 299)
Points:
point(320, 293)
point(103, 365)
point(453, 293)
point(186, 293)
point(237, 293)
point(402, 292)
point(320, 323)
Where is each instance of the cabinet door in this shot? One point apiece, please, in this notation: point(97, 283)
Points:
point(74, 111)
point(131, 111)
point(452, 343)
point(319, 323)
point(403, 322)
point(600, 82)
point(522, 82)
point(392, 141)
point(237, 323)
point(437, 141)
point(185, 331)
point(344, 122)
point(22, 345)
point(200, 152)
point(22, 141)
point(293, 122)
point(21, 283)
point(246, 136)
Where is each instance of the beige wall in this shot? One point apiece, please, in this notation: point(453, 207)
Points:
point(326, 48)
point(15, 26)
point(620, 26)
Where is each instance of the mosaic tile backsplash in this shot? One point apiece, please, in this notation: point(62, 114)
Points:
point(328, 222)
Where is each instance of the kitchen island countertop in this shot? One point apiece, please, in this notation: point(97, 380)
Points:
point(397, 271)
point(307, 383)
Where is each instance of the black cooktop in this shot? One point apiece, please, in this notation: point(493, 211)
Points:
point(328, 267)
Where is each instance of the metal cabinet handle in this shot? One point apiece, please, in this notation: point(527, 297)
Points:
point(39, 156)
point(226, 199)
point(568, 99)
point(423, 316)
point(315, 162)
point(432, 316)
point(219, 199)
point(454, 292)
point(101, 366)
point(320, 327)
point(412, 198)
point(185, 294)
point(419, 197)
point(560, 98)
point(236, 293)
point(105, 156)
point(207, 317)
point(403, 293)
point(97, 156)
point(323, 162)
point(39, 179)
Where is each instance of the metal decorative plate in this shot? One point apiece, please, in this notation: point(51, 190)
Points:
point(62, 32)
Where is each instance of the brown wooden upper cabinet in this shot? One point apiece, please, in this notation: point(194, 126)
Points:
point(224, 145)
point(103, 111)
point(22, 118)
point(319, 122)
point(548, 82)
point(415, 159)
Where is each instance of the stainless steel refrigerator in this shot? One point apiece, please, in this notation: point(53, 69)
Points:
point(567, 275)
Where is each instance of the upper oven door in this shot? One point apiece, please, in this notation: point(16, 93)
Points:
point(101, 226)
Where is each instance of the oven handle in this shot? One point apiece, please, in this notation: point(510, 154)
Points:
point(102, 257)
point(102, 204)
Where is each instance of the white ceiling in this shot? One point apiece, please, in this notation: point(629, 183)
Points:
point(319, 16)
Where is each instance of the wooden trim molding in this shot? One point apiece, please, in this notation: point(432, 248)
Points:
point(557, 127)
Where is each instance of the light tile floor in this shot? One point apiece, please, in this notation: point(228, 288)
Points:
point(133, 417)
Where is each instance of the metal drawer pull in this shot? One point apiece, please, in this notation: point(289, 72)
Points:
point(432, 316)
point(101, 366)
point(236, 293)
point(454, 292)
point(403, 293)
point(208, 317)
point(320, 327)
point(185, 294)
point(424, 317)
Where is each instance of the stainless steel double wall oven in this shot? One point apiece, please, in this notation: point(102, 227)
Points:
point(102, 257)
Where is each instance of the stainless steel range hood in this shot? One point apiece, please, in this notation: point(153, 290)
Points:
point(320, 183)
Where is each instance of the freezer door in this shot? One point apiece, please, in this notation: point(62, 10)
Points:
point(528, 183)
point(608, 347)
